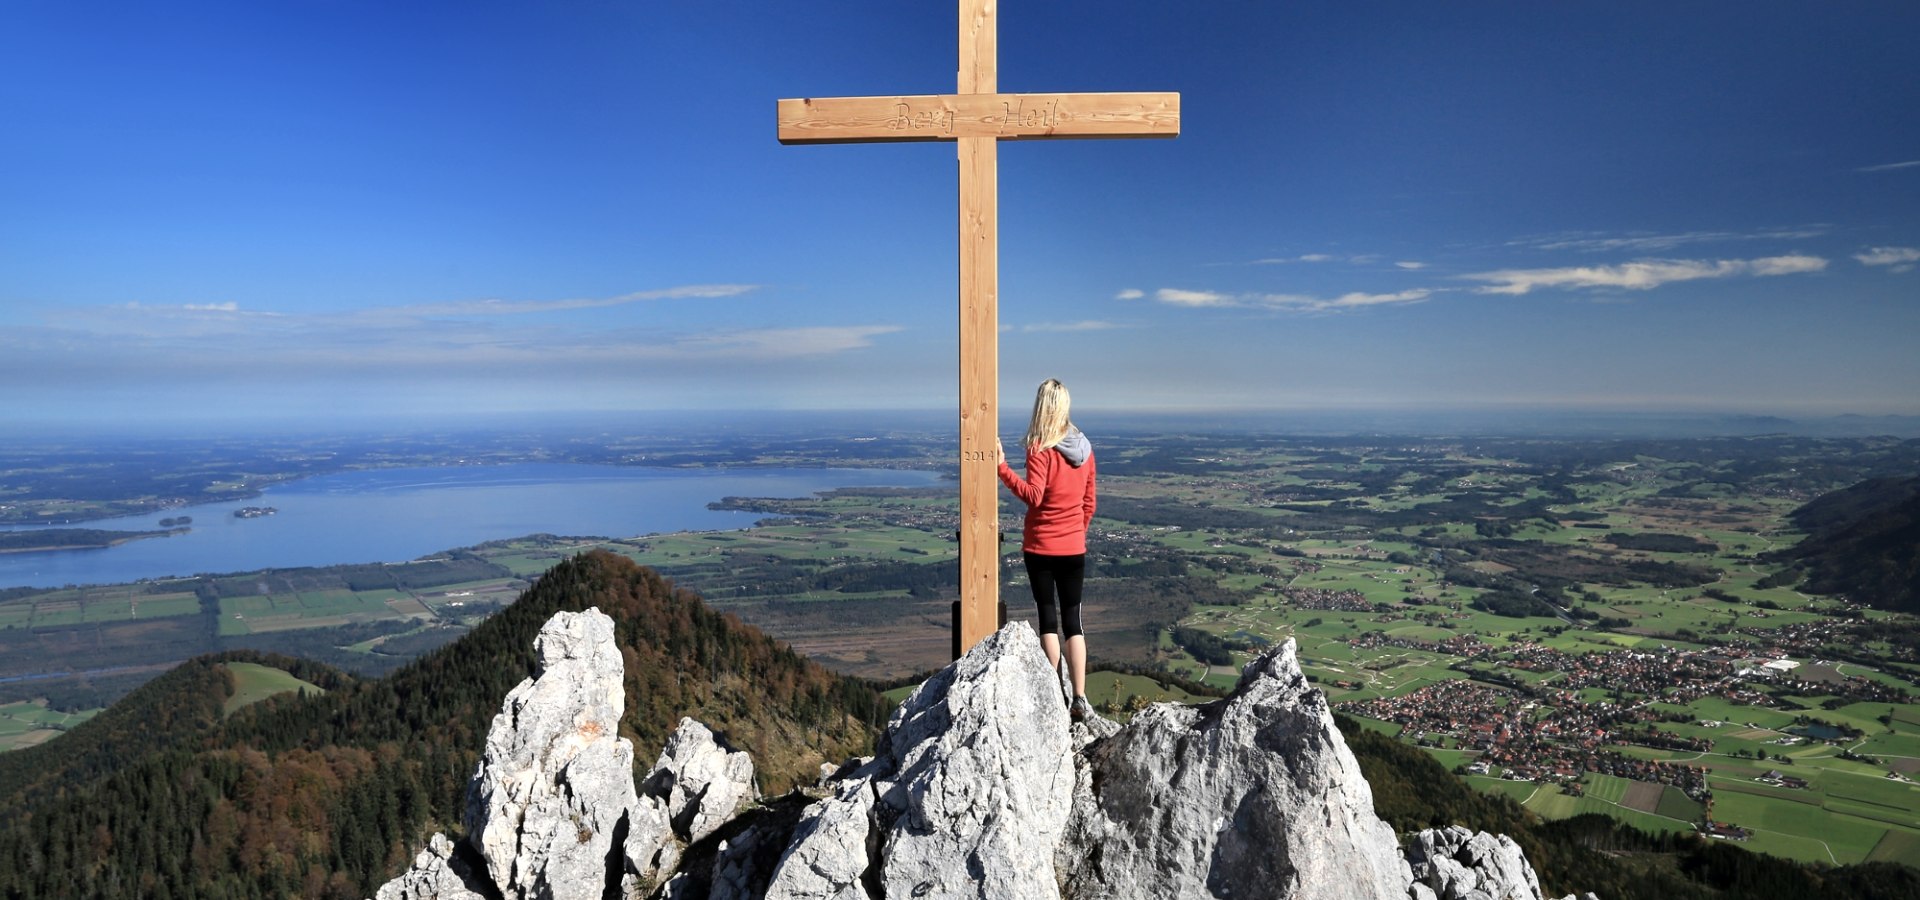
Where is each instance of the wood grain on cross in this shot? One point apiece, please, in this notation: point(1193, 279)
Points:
point(977, 117)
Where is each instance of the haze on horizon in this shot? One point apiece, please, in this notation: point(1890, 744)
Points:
point(222, 212)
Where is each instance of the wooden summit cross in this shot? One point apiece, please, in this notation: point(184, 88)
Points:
point(977, 117)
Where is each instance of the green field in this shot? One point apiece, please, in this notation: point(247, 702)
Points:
point(307, 609)
point(82, 606)
point(1550, 803)
point(27, 724)
point(1897, 846)
point(253, 683)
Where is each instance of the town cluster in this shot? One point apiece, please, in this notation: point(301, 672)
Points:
point(1556, 737)
point(1324, 599)
point(1559, 728)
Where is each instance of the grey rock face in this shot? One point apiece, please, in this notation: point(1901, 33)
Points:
point(1457, 864)
point(651, 850)
point(1256, 795)
point(702, 783)
point(437, 874)
point(832, 849)
point(966, 796)
point(980, 788)
point(554, 796)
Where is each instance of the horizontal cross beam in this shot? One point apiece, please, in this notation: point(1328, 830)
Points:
point(946, 117)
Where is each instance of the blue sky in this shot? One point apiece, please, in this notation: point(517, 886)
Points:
point(332, 209)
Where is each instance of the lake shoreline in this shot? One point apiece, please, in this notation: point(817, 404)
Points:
point(91, 545)
point(403, 513)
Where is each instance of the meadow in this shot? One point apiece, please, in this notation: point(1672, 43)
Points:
point(26, 723)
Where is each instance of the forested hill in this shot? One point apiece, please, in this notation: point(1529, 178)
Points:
point(321, 796)
point(180, 709)
point(1864, 541)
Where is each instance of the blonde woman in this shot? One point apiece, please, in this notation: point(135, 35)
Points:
point(1059, 493)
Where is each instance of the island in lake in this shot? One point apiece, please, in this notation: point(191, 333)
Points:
point(253, 512)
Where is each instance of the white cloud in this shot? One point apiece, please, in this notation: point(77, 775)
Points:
point(1179, 297)
point(1901, 259)
point(1641, 275)
point(1286, 301)
point(1290, 302)
point(1793, 264)
point(1888, 167)
point(1129, 294)
point(188, 321)
point(1409, 264)
point(1358, 299)
point(1361, 259)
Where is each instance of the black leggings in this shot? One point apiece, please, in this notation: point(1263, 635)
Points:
point(1065, 573)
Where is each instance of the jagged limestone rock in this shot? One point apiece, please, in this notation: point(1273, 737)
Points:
point(437, 874)
point(702, 783)
point(831, 849)
point(965, 797)
point(1256, 795)
point(979, 788)
point(652, 852)
point(981, 779)
point(553, 799)
point(1454, 863)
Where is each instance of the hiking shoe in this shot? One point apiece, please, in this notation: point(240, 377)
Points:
point(1080, 709)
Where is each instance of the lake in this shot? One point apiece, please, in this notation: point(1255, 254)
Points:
point(393, 515)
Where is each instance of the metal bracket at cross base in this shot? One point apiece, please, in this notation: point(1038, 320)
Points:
point(957, 640)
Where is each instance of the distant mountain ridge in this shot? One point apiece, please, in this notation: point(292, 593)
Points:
point(1864, 542)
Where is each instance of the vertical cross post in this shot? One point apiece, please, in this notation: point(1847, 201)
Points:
point(977, 118)
point(979, 337)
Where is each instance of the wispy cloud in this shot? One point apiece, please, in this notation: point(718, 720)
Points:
point(1640, 276)
point(229, 316)
point(1064, 327)
point(778, 343)
point(1357, 259)
point(1888, 167)
point(1410, 264)
point(523, 307)
point(1898, 259)
point(223, 339)
point(1649, 242)
point(1289, 302)
point(1354, 300)
point(1130, 294)
point(1182, 297)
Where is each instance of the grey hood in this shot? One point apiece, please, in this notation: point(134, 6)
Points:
point(1075, 447)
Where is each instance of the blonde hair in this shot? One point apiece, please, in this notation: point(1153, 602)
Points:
point(1049, 424)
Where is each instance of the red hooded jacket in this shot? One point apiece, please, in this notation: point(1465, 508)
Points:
point(1059, 497)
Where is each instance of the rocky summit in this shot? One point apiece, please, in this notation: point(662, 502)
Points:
point(980, 787)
